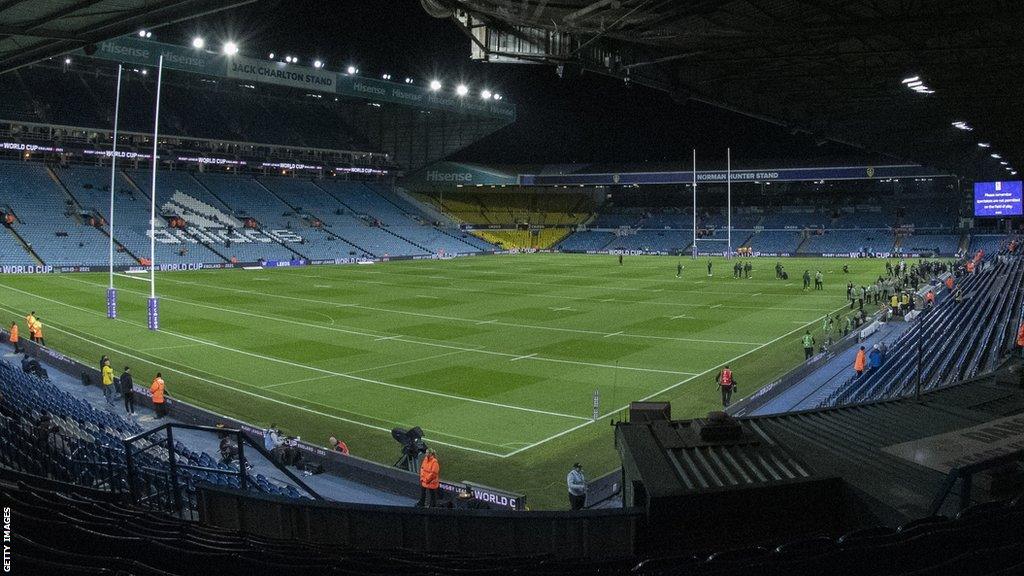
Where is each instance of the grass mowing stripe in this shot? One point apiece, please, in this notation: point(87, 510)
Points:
point(677, 384)
point(321, 370)
point(158, 361)
point(400, 338)
point(291, 272)
point(474, 320)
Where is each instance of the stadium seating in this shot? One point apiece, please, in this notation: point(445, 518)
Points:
point(585, 241)
point(87, 447)
point(959, 340)
point(930, 244)
point(328, 219)
point(510, 209)
point(846, 241)
point(340, 220)
point(74, 531)
point(655, 241)
point(775, 241)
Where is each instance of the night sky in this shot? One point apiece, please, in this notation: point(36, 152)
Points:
point(588, 118)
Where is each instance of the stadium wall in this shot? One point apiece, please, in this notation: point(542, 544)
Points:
point(586, 534)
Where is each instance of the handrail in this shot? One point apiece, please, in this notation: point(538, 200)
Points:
point(243, 438)
point(966, 475)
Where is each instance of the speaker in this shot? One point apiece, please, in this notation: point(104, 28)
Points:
point(649, 411)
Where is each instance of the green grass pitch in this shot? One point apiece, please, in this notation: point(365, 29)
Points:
point(497, 358)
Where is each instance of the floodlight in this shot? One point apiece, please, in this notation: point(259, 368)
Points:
point(997, 156)
point(1005, 163)
point(67, 60)
point(461, 90)
point(983, 144)
point(351, 70)
point(915, 84)
point(497, 96)
point(435, 85)
point(271, 56)
point(408, 80)
point(198, 43)
point(318, 64)
point(911, 79)
point(230, 48)
point(485, 94)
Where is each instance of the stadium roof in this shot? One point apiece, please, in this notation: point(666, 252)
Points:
point(833, 68)
point(33, 30)
point(885, 450)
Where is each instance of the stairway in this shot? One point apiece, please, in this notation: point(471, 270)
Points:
point(24, 244)
point(233, 211)
point(299, 213)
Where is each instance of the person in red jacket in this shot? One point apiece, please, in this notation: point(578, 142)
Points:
point(727, 383)
point(430, 480)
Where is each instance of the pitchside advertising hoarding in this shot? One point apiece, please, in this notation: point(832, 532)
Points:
point(997, 199)
point(140, 52)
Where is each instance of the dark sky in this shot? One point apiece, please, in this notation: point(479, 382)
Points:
point(587, 118)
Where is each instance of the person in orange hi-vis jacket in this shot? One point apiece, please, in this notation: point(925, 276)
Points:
point(859, 362)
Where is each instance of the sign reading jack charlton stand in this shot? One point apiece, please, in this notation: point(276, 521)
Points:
point(959, 448)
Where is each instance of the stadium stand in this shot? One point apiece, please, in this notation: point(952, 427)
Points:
point(64, 528)
point(846, 241)
point(330, 218)
point(959, 341)
point(207, 109)
point(48, 432)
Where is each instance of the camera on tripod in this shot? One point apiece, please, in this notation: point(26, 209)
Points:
point(412, 447)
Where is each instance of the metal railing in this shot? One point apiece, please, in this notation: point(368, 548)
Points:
point(172, 488)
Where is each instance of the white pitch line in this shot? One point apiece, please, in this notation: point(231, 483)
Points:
point(523, 357)
point(715, 306)
point(397, 337)
point(293, 381)
point(413, 361)
point(460, 319)
point(320, 286)
point(560, 309)
point(660, 392)
point(486, 322)
point(613, 334)
point(114, 348)
point(167, 347)
point(755, 295)
point(324, 371)
point(130, 277)
point(425, 296)
point(565, 297)
point(683, 316)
